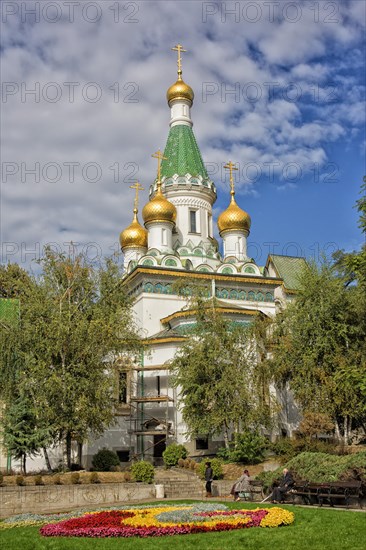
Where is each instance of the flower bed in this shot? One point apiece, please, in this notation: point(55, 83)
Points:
point(148, 521)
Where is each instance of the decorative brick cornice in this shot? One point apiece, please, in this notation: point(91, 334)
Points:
point(159, 271)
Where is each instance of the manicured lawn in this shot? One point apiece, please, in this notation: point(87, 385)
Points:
point(314, 529)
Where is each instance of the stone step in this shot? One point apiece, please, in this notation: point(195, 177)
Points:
point(182, 473)
point(175, 478)
point(194, 488)
point(175, 475)
point(181, 485)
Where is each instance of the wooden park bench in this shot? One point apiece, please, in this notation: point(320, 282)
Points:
point(327, 493)
point(341, 491)
point(255, 491)
point(300, 488)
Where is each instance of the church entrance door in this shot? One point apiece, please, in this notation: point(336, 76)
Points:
point(159, 448)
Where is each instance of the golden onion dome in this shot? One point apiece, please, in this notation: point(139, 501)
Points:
point(134, 235)
point(159, 209)
point(180, 90)
point(233, 218)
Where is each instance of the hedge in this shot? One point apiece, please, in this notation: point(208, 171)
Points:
point(321, 467)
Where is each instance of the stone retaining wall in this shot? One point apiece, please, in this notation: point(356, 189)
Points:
point(222, 488)
point(61, 498)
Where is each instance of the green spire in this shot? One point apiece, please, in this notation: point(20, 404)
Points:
point(182, 153)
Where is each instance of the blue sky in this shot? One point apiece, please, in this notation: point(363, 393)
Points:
point(279, 89)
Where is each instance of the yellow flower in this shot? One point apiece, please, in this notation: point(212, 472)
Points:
point(147, 518)
point(276, 517)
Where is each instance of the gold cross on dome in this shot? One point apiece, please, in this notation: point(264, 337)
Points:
point(179, 48)
point(159, 155)
point(138, 188)
point(230, 166)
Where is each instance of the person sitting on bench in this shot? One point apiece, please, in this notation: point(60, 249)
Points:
point(241, 486)
point(285, 485)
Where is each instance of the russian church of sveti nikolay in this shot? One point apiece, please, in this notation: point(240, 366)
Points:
point(177, 244)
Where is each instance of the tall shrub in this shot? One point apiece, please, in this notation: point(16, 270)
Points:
point(143, 471)
point(173, 453)
point(104, 460)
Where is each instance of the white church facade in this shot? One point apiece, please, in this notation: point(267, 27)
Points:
point(176, 244)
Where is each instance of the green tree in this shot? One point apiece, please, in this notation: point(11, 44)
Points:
point(355, 262)
point(318, 349)
point(15, 282)
point(247, 447)
point(23, 433)
point(214, 373)
point(313, 424)
point(74, 324)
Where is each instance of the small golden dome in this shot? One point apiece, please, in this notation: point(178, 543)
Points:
point(159, 209)
point(134, 235)
point(180, 90)
point(233, 218)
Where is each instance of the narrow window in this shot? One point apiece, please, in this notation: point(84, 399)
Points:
point(193, 221)
point(164, 239)
point(238, 246)
point(209, 225)
point(158, 384)
point(122, 388)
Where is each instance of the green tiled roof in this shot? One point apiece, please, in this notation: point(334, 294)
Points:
point(9, 310)
point(182, 153)
point(289, 269)
point(177, 332)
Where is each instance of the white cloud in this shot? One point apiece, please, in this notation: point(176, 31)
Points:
point(137, 57)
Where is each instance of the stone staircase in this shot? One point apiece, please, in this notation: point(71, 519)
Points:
point(179, 483)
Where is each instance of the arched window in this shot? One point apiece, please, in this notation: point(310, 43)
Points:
point(171, 262)
point(148, 262)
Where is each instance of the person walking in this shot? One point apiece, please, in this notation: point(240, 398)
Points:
point(285, 485)
point(208, 479)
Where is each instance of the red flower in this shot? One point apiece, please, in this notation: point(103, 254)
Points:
point(110, 524)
